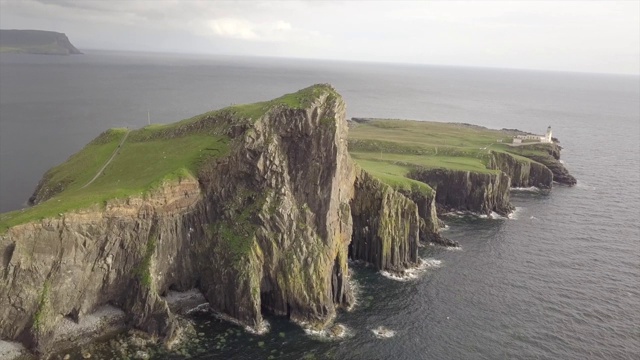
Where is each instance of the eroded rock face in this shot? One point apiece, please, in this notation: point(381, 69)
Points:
point(69, 265)
point(266, 228)
point(386, 225)
point(468, 191)
point(560, 173)
point(522, 173)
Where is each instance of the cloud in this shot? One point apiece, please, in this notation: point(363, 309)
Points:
point(577, 36)
point(234, 28)
point(243, 29)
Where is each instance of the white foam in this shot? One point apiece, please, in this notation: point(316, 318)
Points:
point(514, 214)
point(261, 329)
point(583, 186)
point(335, 332)
point(412, 273)
point(526, 189)
point(356, 289)
point(382, 332)
point(496, 216)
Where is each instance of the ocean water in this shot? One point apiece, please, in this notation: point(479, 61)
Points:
point(559, 280)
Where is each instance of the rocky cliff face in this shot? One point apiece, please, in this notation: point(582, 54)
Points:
point(468, 191)
point(522, 173)
point(265, 228)
point(66, 266)
point(268, 227)
point(386, 225)
point(549, 156)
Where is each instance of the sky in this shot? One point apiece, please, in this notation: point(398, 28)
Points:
point(583, 36)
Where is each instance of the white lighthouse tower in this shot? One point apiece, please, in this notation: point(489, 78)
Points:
point(547, 137)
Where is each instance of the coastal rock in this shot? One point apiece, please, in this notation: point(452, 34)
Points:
point(523, 173)
point(265, 228)
point(385, 225)
point(560, 173)
point(549, 156)
point(468, 191)
point(428, 217)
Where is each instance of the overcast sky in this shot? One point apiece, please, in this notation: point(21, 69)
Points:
point(587, 36)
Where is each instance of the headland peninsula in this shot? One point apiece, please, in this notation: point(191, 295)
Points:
point(250, 209)
point(36, 42)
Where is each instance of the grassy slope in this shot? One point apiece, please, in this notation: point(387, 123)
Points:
point(389, 149)
point(149, 156)
point(138, 168)
point(298, 100)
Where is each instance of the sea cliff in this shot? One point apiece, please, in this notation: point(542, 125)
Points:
point(259, 207)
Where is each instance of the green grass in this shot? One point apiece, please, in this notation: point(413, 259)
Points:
point(145, 161)
point(149, 157)
point(298, 100)
point(143, 270)
point(393, 175)
point(388, 149)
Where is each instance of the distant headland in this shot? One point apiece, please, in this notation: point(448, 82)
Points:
point(36, 42)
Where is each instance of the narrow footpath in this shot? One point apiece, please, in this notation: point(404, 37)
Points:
point(115, 152)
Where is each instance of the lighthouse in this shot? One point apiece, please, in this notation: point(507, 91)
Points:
point(547, 137)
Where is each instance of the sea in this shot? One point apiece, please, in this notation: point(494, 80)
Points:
point(558, 279)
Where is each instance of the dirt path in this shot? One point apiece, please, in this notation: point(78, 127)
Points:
point(115, 152)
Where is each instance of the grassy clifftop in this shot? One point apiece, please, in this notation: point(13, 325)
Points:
point(390, 149)
point(148, 157)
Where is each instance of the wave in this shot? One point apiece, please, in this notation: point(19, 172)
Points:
point(583, 186)
point(335, 332)
point(260, 329)
point(412, 273)
point(462, 214)
point(382, 332)
point(514, 214)
point(526, 189)
point(356, 290)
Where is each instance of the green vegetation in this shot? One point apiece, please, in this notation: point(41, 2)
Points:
point(143, 270)
point(149, 157)
point(389, 149)
point(298, 100)
point(43, 306)
point(393, 175)
point(238, 234)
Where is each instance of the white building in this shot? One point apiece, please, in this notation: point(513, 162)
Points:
point(546, 138)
